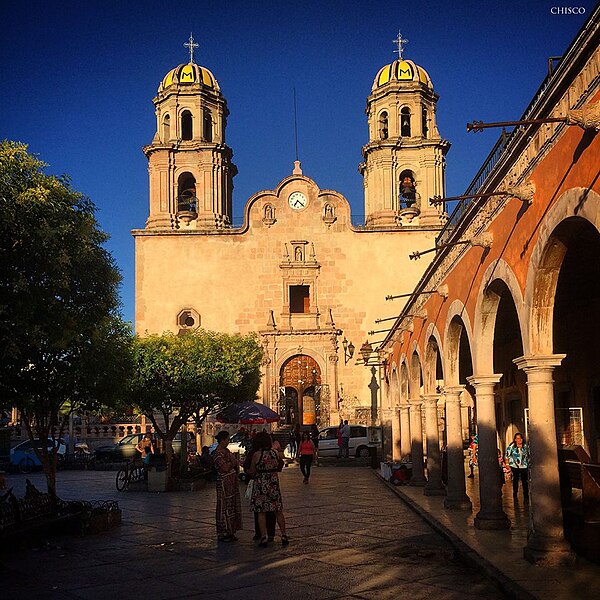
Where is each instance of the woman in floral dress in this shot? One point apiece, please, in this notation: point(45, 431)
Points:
point(266, 495)
point(229, 507)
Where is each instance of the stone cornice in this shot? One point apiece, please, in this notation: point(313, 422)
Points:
point(300, 332)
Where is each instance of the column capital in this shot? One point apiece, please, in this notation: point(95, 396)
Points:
point(404, 407)
point(430, 399)
point(416, 402)
point(482, 380)
point(539, 362)
point(453, 393)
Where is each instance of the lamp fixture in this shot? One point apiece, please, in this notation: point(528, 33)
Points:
point(586, 117)
point(523, 192)
point(483, 240)
point(348, 350)
point(365, 351)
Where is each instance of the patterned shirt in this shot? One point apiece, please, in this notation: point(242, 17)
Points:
point(518, 458)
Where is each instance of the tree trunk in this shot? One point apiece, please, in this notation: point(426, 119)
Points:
point(49, 461)
point(184, 450)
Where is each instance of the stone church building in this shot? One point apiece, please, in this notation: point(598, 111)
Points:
point(297, 272)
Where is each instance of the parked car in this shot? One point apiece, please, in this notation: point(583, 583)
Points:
point(238, 442)
point(362, 438)
point(24, 459)
point(125, 449)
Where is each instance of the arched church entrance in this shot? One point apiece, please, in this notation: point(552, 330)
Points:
point(300, 385)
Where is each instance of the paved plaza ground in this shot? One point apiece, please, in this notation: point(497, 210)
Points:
point(350, 537)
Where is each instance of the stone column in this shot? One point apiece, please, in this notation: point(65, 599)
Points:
point(456, 489)
point(490, 515)
point(546, 543)
point(396, 433)
point(405, 440)
point(434, 486)
point(416, 442)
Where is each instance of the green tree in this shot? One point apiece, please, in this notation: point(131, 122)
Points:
point(63, 345)
point(177, 377)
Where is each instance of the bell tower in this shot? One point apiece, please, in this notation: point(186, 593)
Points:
point(404, 161)
point(190, 166)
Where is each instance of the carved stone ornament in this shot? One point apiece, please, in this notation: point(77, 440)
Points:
point(587, 117)
point(484, 240)
point(523, 192)
point(442, 291)
point(419, 314)
point(407, 215)
point(407, 325)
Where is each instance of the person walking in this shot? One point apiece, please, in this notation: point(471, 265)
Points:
point(297, 436)
point(344, 449)
point(293, 445)
point(339, 438)
point(314, 435)
point(307, 452)
point(229, 506)
point(266, 493)
point(517, 455)
point(473, 446)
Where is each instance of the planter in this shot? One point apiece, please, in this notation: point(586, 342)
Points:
point(157, 480)
point(99, 516)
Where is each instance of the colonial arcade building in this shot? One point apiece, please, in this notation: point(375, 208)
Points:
point(297, 272)
point(509, 343)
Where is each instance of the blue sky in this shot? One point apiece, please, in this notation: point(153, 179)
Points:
point(78, 78)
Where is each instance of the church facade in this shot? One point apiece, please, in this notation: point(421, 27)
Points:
point(297, 272)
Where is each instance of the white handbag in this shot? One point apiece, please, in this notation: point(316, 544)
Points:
point(249, 489)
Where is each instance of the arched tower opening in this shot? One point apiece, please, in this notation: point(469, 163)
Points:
point(187, 126)
point(405, 122)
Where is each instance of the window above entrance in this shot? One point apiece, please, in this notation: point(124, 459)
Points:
point(299, 299)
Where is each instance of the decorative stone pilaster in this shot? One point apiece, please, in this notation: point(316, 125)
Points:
point(490, 515)
point(405, 441)
point(396, 434)
point(456, 489)
point(416, 442)
point(434, 486)
point(546, 543)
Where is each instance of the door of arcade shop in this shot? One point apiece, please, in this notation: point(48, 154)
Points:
point(300, 385)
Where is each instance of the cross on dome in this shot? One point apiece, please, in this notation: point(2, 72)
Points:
point(191, 44)
point(401, 42)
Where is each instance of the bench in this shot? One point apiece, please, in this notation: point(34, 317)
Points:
point(36, 513)
point(577, 471)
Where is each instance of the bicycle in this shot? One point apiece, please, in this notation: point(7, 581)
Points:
point(132, 472)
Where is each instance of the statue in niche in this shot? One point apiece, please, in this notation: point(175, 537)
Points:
point(269, 215)
point(298, 255)
point(328, 214)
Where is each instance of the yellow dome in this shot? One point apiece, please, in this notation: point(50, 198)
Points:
point(401, 70)
point(187, 74)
